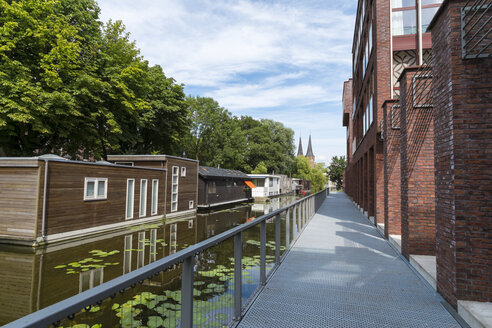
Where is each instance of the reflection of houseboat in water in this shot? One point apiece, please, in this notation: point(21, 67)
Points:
point(33, 278)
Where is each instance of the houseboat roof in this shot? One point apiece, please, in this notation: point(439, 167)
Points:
point(263, 175)
point(207, 171)
point(146, 158)
point(33, 162)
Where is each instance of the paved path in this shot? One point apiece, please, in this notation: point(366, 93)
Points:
point(341, 273)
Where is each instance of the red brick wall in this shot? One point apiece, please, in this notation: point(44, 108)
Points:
point(417, 172)
point(463, 164)
point(392, 189)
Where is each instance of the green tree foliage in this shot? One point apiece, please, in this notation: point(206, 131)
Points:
point(317, 174)
point(336, 168)
point(72, 85)
point(218, 138)
point(260, 169)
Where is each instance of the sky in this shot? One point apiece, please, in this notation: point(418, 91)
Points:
point(281, 60)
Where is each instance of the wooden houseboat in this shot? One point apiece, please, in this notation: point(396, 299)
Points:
point(181, 194)
point(267, 185)
point(48, 198)
point(220, 187)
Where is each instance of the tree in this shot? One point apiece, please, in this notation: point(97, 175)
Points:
point(260, 169)
point(269, 142)
point(336, 168)
point(215, 137)
point(317, 174)
point(72, 85)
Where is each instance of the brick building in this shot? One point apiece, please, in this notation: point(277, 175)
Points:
point(388, 36)
point(434, 128)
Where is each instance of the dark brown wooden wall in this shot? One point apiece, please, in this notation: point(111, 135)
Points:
point(67, 210)
point(223, 192)
point(18, 201)
point(188, 185)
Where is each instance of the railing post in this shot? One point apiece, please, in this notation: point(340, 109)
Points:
point(187, 293)
point(238, 256)
point(277, 239)
point(294, 221)
point(263, 253)
point(287, 229)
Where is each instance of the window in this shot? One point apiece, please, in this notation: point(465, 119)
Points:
point(427, 15)
point(370, 111)
point(191, 204)
point(95, 188)
point(143, 198)
point(404, 22)
point(212, 189)
point(271, 182)
point(183, 171)
point(155, 196)
point(130, 192)
point(174, 191)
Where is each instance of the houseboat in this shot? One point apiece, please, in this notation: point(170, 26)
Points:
point(267, 185)
point(285, 185)
point(181, 194)
point(48, 198)
point(220, 187)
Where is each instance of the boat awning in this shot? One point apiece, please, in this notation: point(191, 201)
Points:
point(249, 184)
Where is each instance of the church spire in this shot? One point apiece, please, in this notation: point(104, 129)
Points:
point(310, 148)
point(299, 149)
point(310, 154)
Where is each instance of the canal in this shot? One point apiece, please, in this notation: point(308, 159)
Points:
point(32, 279)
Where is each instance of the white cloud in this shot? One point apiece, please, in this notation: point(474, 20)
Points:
point(284, 60)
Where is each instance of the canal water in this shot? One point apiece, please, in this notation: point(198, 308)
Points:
point(31, 279)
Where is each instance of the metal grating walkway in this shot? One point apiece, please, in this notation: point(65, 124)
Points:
point(341, 273)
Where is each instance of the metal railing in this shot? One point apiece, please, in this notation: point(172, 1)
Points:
point(476, 29)
point(79, 309)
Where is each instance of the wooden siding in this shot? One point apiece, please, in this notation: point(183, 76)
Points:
point(18, 201)
point(188, 185)
point(67, 210)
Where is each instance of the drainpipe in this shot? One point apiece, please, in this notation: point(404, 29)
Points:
point(45, 187)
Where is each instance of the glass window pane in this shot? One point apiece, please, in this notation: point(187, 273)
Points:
point(402, 3)
point(143, 197)
point(427, 15)
point(430, 2)
point(404, 22)
point(90, 189)
point(101, 187)
point(129, 199)
point(154, 196)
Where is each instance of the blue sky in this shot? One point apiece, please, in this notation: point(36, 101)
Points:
point(282, 60)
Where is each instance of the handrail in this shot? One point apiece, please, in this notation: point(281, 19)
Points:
point(68, 307)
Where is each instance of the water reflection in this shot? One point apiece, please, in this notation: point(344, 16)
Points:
point(32, 279)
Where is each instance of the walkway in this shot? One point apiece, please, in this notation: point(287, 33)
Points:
point(341, 273)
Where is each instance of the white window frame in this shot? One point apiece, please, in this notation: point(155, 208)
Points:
point(174, 203)
point(127, 217)
point(191, 204)
point(183, 171)
point(142, 209)
point(154, 206)
point(96, 187)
